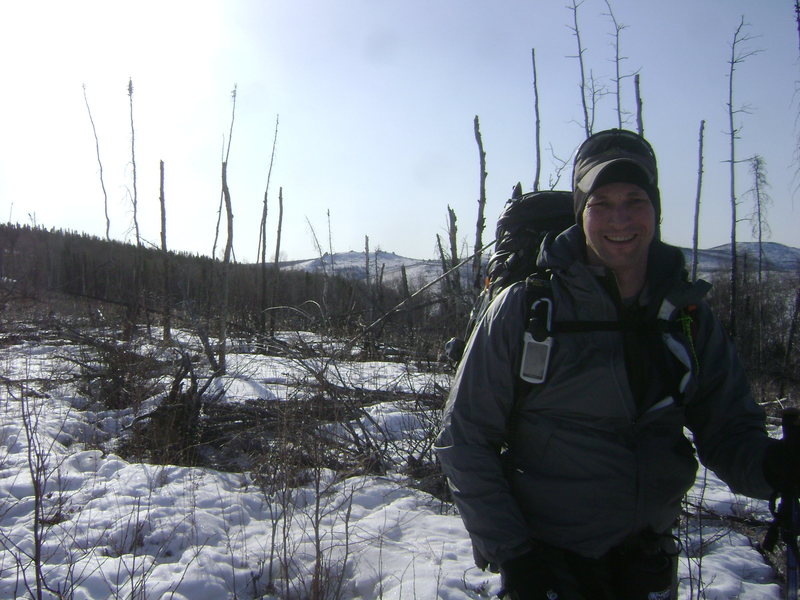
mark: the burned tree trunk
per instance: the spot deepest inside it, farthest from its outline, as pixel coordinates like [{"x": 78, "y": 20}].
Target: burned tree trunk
[
  {"x": 167, "y": 322},
  {"x": 639, "y": 103},
  {"x": 481, "y": 224},
  {"x": 576, "y": 30},
  {"x": 452, "y": 233},
  {"x": 738, "y": 56},
  {"x": 696, "y": 235},
  {"x": 275, "y": 282},
  {"x": 538, "y": 124},
  {"x": 262, "y": 237},
  {"x": 223, "y": 313}
]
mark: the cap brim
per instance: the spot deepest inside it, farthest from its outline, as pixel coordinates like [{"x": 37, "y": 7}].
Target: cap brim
[{"x": 588, "y": 182}]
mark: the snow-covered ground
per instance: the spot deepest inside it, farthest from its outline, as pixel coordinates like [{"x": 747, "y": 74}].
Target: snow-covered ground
[{"x": 109, "y": 528}]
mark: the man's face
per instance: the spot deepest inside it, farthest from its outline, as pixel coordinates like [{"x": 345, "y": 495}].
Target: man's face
[{"x": 619, "y": 222}]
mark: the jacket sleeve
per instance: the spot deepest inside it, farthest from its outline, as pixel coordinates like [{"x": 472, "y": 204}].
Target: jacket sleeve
[
  {"x": 475, "y": 425},
  {"x": 728, "y": 426}
]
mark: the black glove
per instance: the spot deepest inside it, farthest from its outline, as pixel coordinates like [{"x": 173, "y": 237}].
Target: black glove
[
  {"x": 526, "y": 577},
  {"x": 782, "y": 466}
]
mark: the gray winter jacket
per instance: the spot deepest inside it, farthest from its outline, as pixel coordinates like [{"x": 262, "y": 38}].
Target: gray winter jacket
[{"x": 589, "y": 464}]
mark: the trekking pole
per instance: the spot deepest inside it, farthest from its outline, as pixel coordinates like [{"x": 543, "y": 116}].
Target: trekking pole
[
  {"x": 786, "y": 521},
  {"x": 789, "y": 510},
  {"x": 790, "y": 422}
]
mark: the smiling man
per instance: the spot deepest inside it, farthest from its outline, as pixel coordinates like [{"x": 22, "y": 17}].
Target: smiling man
[
  {"x": 619, "y": 224},
  {"x": 572, "y": 485}
]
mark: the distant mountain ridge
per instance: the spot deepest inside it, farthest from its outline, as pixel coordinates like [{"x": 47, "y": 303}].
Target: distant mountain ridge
[
  {"x": 776, "y": 257},
  {"x": 354, "y": 265}
]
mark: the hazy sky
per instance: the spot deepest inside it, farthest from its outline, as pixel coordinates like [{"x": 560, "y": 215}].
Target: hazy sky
[{"x": 376, "y": 101}]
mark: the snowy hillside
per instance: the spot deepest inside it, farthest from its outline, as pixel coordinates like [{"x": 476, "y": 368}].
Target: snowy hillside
[{"x": 353, "y": 264}]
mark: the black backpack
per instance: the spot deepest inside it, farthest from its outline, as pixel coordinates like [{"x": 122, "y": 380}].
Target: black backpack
[{"x": 522, "y": 226}]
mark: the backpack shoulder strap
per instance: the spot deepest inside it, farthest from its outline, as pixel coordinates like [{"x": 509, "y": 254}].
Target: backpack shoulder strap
[{"x": 538, "y": 286}]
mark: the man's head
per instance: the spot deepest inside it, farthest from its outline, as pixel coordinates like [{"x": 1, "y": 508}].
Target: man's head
[
  {"x": 614, "y": 156},
  {"x": 617, "y": 204}
]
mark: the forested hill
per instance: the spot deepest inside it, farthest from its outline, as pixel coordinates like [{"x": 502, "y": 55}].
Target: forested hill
[{"x": 34, "y": 262}]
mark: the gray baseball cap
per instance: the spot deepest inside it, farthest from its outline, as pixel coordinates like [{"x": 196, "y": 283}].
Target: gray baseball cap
[{"x": 611, "y": 156}]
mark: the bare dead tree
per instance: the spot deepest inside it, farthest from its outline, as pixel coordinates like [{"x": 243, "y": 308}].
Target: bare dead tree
[
  {"x": 639, "y": 103},
  {"x": 223, "y": 317},
  {"x": 226, "y": 259},
  {"x": 404, "y": 282},
  {"x": 406, "y": 295},
  {"x": 277, "y": 263},
  {"x": 233, "y": 118},
  {"x": 618, "y": 27},
  {"x": 369, "y": 338},
  {"x": 135, "y": 197},
  {"x": 760, "y": 230},
  {"x": 318, "y": 247},
  {"x": 379, "y": 271},
  {"x": 262, "y": 232},
  {"x": 696, "y": 235},
  {"x": 733, "y": 201},
  {"x": 330, "y": 244},
  {"x": 219, "y": 208},
  {"x": 325, "y": 274},
  {"x": 99, "y": 164},
  {"x": 538, "y": 124},
  {"x": 262, "y": 236},
  {"x": 761, "y": 202},
  {"x": 135, "y": 294},
  {"x": 481, "y": 223},
  {"x": 262, "y": 248},
  {"x": 737, "y": 57},
  {"x": 443, "y": 260},
  {"x": 366, "y": 259},
  {"x": 225, "y": 159},
  {"x": 583, "y": 86},
  {"x": 167, "y": 276},
  {"x": 452, "y": 235}
]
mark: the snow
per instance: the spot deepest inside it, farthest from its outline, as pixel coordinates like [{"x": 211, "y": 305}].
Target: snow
[{"x": 116, "y": 529}]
